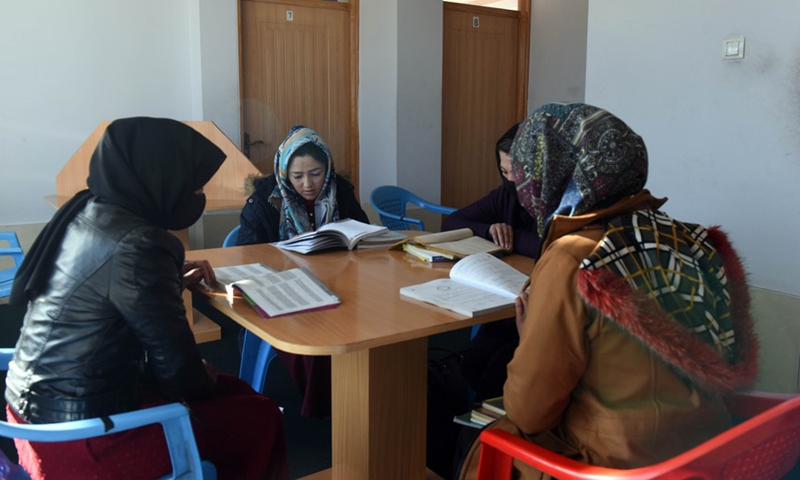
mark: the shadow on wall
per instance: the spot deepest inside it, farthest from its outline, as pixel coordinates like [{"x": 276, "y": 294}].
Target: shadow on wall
[{"x": 777, "y": 321}]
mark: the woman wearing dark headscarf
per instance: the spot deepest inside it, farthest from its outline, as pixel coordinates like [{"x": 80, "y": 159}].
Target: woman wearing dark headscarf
[
  {"x": 498, "y": 216},
  {"x": 303, "y": 194},
  {"x": 106, "y": 329},
  {"x": 636, "y": 324}
]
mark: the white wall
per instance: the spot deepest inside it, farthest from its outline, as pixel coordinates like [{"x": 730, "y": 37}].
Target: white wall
[
  {"x": 400, "y": 96},
  {"x": 558, "y": 52},
  {"x": 377, "y": 95},
  {"x": 419, "y": 97},
  {"x": 67, "y": 66},
  {"x": 219, "y": 50},
  {"x": 723, "y": 136}
]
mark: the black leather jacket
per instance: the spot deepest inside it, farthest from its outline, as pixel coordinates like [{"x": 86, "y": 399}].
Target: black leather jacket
[{"x": 111, "y": 315}]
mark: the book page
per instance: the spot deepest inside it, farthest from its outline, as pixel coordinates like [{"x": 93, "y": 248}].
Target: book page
[
  {"x": 344, "y": 233},
  {"x": 458, "y": 297},
  {"x": 353, "y": 229},
  {"x": 467, "y": 246},
  {"x": 489, "y": 272},
  {"x": 290, "y": 291},
  {"x": 449, "y": 236},
  {"x": 228, "y": 275}
]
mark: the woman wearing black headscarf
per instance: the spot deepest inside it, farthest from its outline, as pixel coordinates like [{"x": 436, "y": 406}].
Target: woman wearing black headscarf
[
  {"x": 636, "y": 324},
  {"x": 106, "y": 329},
  {"x": 498, "y": 216}
]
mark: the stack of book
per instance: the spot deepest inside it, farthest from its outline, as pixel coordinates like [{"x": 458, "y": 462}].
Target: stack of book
[
  {"x": 447, "y": 246},
  {"x": 482, "y": 414}
]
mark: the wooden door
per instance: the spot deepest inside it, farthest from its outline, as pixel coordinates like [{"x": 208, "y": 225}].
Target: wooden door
[
  {"x": 296, "y": 70},
  {"x": 484, "y": 82}
]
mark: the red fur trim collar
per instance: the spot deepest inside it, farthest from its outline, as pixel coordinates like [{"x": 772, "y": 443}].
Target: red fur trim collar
[{"x": 696, "y": 360}]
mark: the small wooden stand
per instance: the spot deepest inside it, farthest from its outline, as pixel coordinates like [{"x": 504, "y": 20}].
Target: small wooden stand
[{"x": 225, "y": 191}]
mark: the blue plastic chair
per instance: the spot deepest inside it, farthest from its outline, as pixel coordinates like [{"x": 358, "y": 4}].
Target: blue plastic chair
[
  {"x": 232, "y": 237},
  {"x": 173, "y": 417},
  {"x": 257, "y": 354},
  {"x": 14, "y": 252},
  {"x": 390, "y": 203}
]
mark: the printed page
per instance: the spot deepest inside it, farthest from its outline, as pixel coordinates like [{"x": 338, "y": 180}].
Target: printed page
[
  {"x": 449, "y": 236},
  {"x": 353, "y": 230},
  {"x": 467, "y": 246},
  {"x": 458, "y": 297},
  {"x": 290, "y": 291},
  {"x": 228, "y": 275},
  {"x": 488, "y": 272}
]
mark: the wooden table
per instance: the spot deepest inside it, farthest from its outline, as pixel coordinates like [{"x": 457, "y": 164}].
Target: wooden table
[{"x": 378, "y": 343}]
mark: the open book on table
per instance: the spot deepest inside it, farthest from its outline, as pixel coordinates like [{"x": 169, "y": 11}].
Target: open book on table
[
  {"x": 273, "y": 293},
  {"x": 453, "y": 244},
  {"x": 342, "y": 234},
  {"x": 478, "y": 284}
]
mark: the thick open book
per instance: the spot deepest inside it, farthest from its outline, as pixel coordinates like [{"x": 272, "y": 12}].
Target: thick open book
[
  {"x": 478, "y": 284},
  {"x": 273, "y": 293},
  {"x": 342, "y": 234},
  {"x": 454, "y": 243}
]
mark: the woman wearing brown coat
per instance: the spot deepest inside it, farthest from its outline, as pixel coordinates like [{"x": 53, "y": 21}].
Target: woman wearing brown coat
[{"x": 636, "y": 325}]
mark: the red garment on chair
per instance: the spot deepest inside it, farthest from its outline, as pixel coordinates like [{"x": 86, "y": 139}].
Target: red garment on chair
[{"x": 238, "y": 430}]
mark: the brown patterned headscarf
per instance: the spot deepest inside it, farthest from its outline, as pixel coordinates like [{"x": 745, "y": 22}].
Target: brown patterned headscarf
[{"x": 569, "y": 159}]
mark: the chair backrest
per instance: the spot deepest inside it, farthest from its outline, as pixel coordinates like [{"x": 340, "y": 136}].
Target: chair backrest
[
  {"x": 390, "y": 202},
  {"x": 11, "y": 257},
  {"x": 173, "y": 417},
  {"x": 232, "y": 237},
  {"x": 766, "y": 446}
]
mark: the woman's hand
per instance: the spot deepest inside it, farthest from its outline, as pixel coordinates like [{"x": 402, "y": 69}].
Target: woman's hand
[
  {"x": 195, "y": 271},
  {"x": 503, "y": 235},
  {"x": 521, "y": 308}
]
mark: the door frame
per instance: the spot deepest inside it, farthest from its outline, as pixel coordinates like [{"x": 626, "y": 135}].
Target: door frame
[{"x": 352, "y": 7}]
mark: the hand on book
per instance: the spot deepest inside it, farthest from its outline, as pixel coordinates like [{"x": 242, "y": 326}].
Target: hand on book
[
  {"x": 195, "y": 271},
  {"x": 503, "y": 235}
]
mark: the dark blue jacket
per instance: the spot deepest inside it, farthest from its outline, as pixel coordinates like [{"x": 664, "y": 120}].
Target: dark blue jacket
[
  {"x": 498, "y": 206},
  {"x": 260, "y": 217}
]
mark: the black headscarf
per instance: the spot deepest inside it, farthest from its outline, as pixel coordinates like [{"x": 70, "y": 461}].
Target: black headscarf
[
  {"x": 151, "y": 167},
  {"x": 508, "y": 137}
]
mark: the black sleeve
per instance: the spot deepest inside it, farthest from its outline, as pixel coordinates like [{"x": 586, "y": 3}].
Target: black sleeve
[
  {"x": 259, "y": 220},
  {"x": 146, "y": 290},
  {"x": 349, "y": 207}
]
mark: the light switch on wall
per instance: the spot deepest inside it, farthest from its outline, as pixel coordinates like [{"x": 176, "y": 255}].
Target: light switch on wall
[{"x": 733, "y": 48}]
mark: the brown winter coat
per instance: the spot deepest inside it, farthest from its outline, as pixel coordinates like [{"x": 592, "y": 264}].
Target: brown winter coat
[{"x": 580, "y": 385}]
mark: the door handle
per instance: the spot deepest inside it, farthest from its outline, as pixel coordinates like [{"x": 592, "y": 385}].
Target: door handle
[{"x": 248, "y": 144}]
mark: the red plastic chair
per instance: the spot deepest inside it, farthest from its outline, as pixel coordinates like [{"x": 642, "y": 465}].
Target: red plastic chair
[{"x": 765, "y": 446}]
